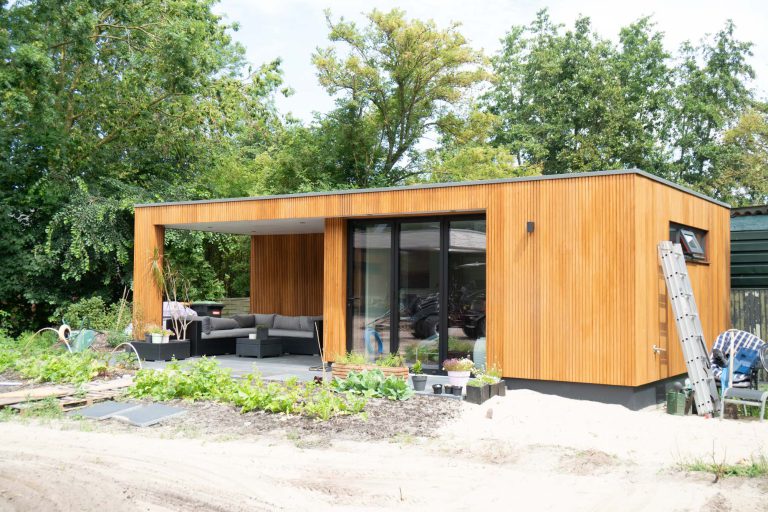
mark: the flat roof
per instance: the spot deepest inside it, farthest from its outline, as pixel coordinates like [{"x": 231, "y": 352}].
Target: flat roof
[
  {"x": 750, "y": 210},
  {"x": 418, "y": 186}
]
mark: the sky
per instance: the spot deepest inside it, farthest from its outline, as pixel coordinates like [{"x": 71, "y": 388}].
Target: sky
[{"x": 293, "y": 29}]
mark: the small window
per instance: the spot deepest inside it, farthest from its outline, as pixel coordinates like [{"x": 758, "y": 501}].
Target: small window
[{"x": 692, "y": 241}]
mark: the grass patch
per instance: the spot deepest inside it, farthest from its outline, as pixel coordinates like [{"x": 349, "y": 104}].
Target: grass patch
[{"x": 754, "y": 468}]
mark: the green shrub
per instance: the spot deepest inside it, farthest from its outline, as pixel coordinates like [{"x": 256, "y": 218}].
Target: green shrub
[
  {"x": 373, "y": 384},
  {"x": 95, "y": 314},
  {"x": 61, "y": 367},
  {"x": 390, "y": 360},
  {"x": 353, "y": 358},
  {"x": 205, "y": 380}
]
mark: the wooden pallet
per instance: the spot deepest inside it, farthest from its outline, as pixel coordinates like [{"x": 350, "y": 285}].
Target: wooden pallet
[
  {"x": 70, "y": 403},
  {"x": 65, "y": 390}
]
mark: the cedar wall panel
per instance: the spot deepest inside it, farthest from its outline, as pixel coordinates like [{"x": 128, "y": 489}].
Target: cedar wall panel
[
  {"x": 335, "y": 289},
  {"x": 287, "y": 274},
  {"x": 147, "y": 296},
  {"x": 657, "y": 206},
  {"x": 577, "y": 300}
]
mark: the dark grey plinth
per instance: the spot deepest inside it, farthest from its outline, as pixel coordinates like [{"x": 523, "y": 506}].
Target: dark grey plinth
[
  {"x": 259, "y": 347},
  {"x": 161, "y": 351}
]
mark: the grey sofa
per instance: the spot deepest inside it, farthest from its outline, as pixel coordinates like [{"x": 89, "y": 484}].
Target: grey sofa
[{"x": 217, "y": 336}]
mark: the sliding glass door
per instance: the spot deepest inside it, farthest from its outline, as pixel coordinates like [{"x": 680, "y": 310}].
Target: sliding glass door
[
  {"x": 418, "y": 292},
  {"x": 369, "y": 295},
  {"x": 426, "y": 276}
]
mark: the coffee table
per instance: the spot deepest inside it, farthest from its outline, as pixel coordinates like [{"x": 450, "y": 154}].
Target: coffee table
[{"x": 259, "y": 347}]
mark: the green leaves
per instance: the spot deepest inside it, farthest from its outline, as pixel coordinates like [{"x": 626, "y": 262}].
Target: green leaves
[
  {"x": 570, "y": 100},
  {"x": 205, "y": 380},
  {"x": 397, "y": 80},
  {"x": 373, "y": 384}
]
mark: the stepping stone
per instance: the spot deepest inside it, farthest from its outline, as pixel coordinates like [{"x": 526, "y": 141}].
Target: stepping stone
[
  {"x": 147, "y": 415},
  {"x": 103, "y": 410}
]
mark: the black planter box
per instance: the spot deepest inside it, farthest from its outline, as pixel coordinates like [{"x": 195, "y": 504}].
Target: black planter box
[
  {"x": 161, "y": 351},
  {"x": 501, "y": 388},
  {"x": 478, "y": 395}
]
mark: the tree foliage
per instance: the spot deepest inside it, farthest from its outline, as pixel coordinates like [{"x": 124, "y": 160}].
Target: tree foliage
[
  {"x": 106, "y": 103},
  {"x": 396, "y": 81},
  {"x": 572, "y": 101}
]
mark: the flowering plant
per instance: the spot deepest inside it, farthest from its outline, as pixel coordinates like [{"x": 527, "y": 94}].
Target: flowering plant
[{"x": 458, "y": 365}]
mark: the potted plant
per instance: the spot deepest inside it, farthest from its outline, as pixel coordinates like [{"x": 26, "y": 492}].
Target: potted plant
[
  {"x": 166, "y": 335},
  {"x": 155, "y": 333},
  {"x": 391, "y": 364},
  {"x": 478, "y": 391},
  {"x": 458, "y": 370},
  {"x": 492, "y": 377},
  {"x": 419, "y": 379}
]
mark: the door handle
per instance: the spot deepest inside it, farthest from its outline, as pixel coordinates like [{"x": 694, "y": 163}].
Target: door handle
[{"x": 658, "y": 350}]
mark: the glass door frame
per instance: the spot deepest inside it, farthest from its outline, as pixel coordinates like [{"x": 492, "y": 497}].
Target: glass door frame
[{"x": 394, "y": 278}]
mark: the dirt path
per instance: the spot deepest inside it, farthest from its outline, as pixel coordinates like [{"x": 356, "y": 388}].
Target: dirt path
[{"x": 527, "y": 457}]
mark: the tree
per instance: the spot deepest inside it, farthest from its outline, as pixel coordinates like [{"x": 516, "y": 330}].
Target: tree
[
  {"x": 106, "y": 103},
  {"x": 743, "y": 160},
  {"x": 710, "y": 95},
  {"x": 573, "y": 101},
  {"x": 398, "y": 79}
]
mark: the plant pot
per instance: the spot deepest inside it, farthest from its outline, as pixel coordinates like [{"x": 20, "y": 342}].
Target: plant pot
[
  {"x": 340, "y": 370},
  {"x": 492, "y": 390},
  {"x": 448, "y": 389},
  {"x": 419, "y": 382},
  {"x": 478, "y": 394},
  {"x": 156, "y": 338},
  {"x": 501, "y": 388},
  {"x": 458, "y": 378},
  {"x": 457, "y": 390},
  {"x": 166, "y": 338},
  {"x": 437, "y": 389}
]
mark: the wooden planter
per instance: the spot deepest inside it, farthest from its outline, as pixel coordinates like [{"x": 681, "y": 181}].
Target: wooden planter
[{"x": 341, "y": 370}]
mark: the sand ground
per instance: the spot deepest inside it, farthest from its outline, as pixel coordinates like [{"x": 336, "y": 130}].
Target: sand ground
[{"x": 538, "y": 451}]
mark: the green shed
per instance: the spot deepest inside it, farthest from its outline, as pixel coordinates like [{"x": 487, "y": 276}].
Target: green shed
[
  {"x": 749, "y": 247},
  {"x": 749, "y": 269}
]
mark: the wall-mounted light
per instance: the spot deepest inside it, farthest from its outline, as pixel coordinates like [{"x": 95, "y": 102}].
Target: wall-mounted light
[{"x": 530, "y": 226}]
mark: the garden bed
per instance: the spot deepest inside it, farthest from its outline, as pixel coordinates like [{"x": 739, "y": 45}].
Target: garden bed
[{"x": 383, "y": 420}]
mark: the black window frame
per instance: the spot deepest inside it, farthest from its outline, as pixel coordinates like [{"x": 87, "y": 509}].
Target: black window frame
[
  {"x": 396, "y": 222},
  {"x": 694, "y": 252}
]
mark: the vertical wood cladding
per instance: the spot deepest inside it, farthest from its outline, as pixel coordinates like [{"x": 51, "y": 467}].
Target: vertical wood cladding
[
  {"x": 287, "y": 274},
  {"x": 580, "y": 299}
]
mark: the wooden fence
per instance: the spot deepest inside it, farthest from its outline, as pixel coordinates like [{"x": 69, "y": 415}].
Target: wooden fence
[
  {"x": 236, "y": 306},
  {"x": 749, "y": 311}
]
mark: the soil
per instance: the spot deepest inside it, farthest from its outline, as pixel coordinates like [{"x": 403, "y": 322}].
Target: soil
[
  {"x": 532, "y": 450},
  {"x": 383, "y": 420}
]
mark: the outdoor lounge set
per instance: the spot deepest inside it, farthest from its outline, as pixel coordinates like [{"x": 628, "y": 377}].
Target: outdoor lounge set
[{"x": 273, "y": 335}]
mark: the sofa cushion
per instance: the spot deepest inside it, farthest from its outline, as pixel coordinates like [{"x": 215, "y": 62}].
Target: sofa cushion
[
  {"x": 241, "y": 332},
  {"x": 307, "y": 323},
  {"x": 289, "y": 333},
  {"x": 205, "y": 324},
  {"x": 265, "y": 320},
  {"x": 245, "y": 320},
  {"x": 223, "y": 324},
  {"x": 287, "y": 322}
]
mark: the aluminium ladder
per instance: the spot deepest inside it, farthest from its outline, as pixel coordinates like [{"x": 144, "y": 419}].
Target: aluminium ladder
[{"x": 689, "y": 328}]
